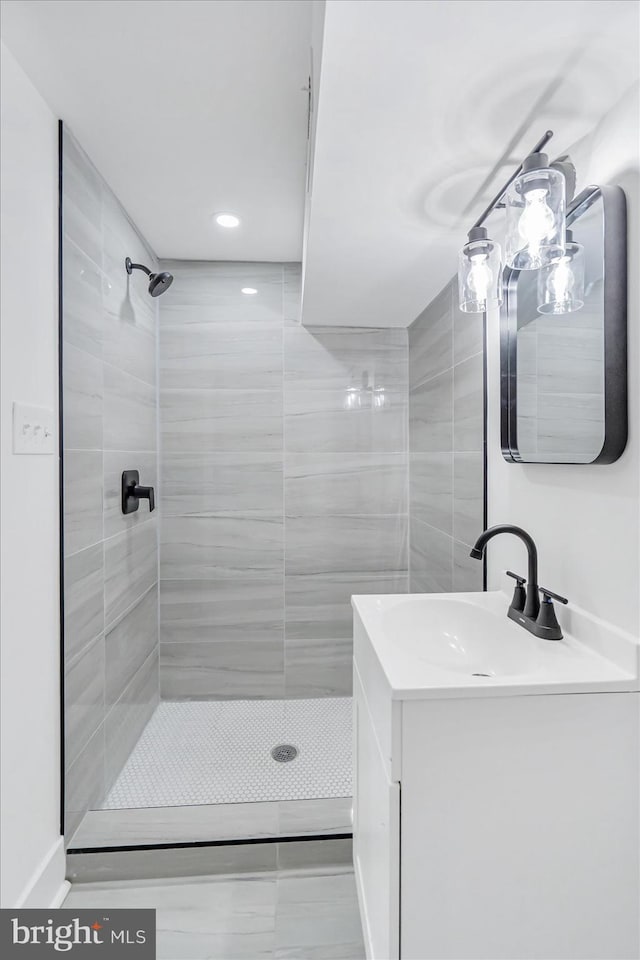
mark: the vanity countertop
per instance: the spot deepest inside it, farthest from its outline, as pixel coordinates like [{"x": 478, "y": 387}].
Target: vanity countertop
[{"x": 462, "y": 645}]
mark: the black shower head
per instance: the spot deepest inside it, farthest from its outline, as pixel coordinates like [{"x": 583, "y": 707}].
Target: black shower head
[{"x": 158, "y": 282}]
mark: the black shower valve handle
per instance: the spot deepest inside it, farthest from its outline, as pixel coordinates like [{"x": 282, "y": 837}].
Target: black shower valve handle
[
  {"x": 133, "y": 492},
  {"x": 145, "y": 493}
]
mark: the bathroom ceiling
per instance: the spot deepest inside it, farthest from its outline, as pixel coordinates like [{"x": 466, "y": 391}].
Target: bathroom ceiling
[
  {"x": 188, "y": 109},
  {"x": 419, "y": 104}
]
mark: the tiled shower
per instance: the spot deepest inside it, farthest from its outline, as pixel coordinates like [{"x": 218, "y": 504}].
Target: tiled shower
[{"x": 292, "y": 467}]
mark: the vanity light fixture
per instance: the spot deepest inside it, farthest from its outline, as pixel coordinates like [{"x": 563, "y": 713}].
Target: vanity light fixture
[
  {"x": 249, "y": 291},
  {"x": 479, "y": 272},
  {"x": 534, "y": 196},
  {"x": 561, "y": 285},
  {"x": 227, "y": 220},
  {"x": 535, "y": 205}
]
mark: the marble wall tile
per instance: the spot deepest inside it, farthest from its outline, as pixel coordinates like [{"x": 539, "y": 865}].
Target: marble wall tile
[
  {"x": 345, "y": 544},
  {"x": 431, "y": 415},
  {"x": 82, "y": 406},
  {"x": 129, "y": 412},
  {"x": 126, "y": 719},
  {"x": 467, "y": 572},
  {"x": 84, "y": 782},
  {"x": 218, "y": 548},
  {"x": 318, "y": 667},
  {"x": 468, "y": 332},
  {"x": 131, "y": 569},
  {"x": 468, "y": 501},
  {"x": 211, "y": 291},
  {"x": 83, "y": 499},
  {"x": 129, "y": 345},
  {"x": 84, "y": 698},
  {"x": 217, "y": 483},
  {"x": 431, "y": 489},
  {"x": 109, "y": 401},
  {"x": 82, "y": 283},
  {"x": 129, "y": 644},
  {"x": 316, "y": 421},
  {"x": 82, "y": 189},
  {"x": 292, "y": 292},
  {"x": 345, "y": 483},
  {"x": 237, "y": 355},
  {"x": 114, "y": 463},
  {"x": 431, "y": 559},
  {"x": 222, "y": 670},
  {"x": 221, "y": 420},
  {"x": 225, "y": 398},
  {"x": 431, "y": 339},
  {"x": 467, "y": 405},
  {"x": 318, "y": 605},
  {"x": 212, "y": 610},
  {"x": 83, "y": 599},
  {"x": 322, "y": 366}
]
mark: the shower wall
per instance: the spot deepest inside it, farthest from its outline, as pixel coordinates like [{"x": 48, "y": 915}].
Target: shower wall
[
  {"x": 446, "y": 431},
  {"x": 109, "y": 425},
  {"x": 283, "y": 484}
]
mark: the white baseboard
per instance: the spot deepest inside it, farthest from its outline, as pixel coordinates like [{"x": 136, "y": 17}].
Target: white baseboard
[{"x": 47, "y": 886}]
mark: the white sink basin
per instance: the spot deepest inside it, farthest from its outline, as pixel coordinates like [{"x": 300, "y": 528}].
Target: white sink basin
[
  {"x": 462, "y": 644},
  {"x": 460, "y": 636}
]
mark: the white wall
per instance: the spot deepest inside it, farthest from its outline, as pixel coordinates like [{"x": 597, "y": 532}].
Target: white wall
[
  {"x": 33, "y": 857},
  {"x": 585, "y": 519}
]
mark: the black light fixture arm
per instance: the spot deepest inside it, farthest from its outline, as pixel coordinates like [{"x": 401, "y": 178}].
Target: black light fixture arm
[
  {"x": 542, "y": 142},
  {"x": 130, "y": 267}
]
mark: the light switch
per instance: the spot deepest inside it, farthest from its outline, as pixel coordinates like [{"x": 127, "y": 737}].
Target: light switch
[{"x": 33, "y": 429}]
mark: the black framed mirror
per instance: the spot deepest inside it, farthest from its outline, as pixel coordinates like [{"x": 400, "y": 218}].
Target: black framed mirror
[{"x": 563, "y": 366}]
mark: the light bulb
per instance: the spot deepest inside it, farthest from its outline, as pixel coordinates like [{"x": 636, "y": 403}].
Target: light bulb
[
  {"x": 480, "y": 276},
  {"x": 560, "y": 282},
  {"x": 537, "y": 221}
]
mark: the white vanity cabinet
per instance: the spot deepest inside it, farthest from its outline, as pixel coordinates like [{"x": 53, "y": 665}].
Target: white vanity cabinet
[{"x": 499, "y": 824}]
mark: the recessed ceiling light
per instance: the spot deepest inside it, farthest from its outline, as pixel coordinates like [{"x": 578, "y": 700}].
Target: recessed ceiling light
[
  {"x": 249, "y": 291},
  {"x": 227, "y": 220}
]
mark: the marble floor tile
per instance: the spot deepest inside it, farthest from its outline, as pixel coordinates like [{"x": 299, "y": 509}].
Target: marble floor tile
[{"x": 290, "y": 915}]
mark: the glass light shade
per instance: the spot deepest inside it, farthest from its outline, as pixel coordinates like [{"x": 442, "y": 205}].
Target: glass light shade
[
  {"x": 479, "y": 273},
  {"x": 561, "y": 284},
  {"x": 535, "y": 205}
]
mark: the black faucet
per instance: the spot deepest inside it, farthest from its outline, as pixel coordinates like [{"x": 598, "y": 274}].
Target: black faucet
[{"x": 525, "y": 606}]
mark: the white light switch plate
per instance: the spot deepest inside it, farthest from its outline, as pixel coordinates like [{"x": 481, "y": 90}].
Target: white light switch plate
[{"x": 33, "y": 430}]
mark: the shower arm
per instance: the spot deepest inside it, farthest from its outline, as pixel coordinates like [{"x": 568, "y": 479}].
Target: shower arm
[{"x": 136, "y": 266}]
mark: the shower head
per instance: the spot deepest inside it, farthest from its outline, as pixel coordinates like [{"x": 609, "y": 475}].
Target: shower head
[{"x": 158, "y": 282}]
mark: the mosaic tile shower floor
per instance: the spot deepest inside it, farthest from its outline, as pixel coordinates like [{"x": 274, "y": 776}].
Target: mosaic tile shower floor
[{"x": 201, "y": 752}]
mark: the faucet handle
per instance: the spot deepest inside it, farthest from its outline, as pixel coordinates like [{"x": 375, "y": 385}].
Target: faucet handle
[
  {"x": 515, "y": 576},
  {"x": 547, "y": 595},
  {"x": 519, "y": 594}
]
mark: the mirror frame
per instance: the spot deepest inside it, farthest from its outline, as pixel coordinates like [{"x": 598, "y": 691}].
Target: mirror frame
[{"x": 615, "y": 333}]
